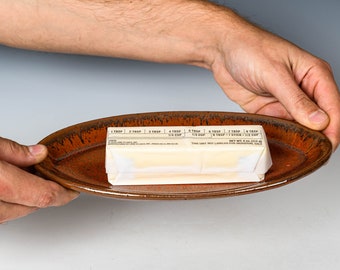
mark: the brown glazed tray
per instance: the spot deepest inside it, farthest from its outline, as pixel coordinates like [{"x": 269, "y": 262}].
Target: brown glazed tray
[{"x": 77, "y": 155}]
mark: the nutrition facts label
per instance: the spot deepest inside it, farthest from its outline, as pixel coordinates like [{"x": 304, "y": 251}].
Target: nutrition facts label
[{"x": 177, "y": 135}]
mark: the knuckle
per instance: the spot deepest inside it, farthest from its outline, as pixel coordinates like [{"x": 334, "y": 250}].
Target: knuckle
[
  {"x": 14, "y": 147},
  {"x": 302, "y": 103},
  {"x": 46, "y": 199},
  {"x": 11, "y": 150},
  {"x": 300, "y": 100},
  {"x": 323, "y": 64},
  {"x": 49, "y": 197}
]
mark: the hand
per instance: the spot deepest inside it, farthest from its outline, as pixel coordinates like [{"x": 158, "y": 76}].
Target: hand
[
  {"x": 268, "y": 75},
  {"x": 22, "y": 193},
  {"x": 263, "y": 73}
]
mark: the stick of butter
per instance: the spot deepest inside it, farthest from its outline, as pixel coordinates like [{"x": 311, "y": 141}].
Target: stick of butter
[{"x": 186, "y": 154}]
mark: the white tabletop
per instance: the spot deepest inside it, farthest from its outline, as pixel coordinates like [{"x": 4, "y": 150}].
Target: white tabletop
[{"x": 292, "y": 227}]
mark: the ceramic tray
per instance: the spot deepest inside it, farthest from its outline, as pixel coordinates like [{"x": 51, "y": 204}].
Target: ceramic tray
[{"x": 77, "y": 155}]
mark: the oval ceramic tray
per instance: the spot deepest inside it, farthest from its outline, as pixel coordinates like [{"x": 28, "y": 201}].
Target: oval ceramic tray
[{"x": 77, "y": 155}]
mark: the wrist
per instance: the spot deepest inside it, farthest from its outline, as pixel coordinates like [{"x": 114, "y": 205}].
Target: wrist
[{"x": 224, "y": 34}]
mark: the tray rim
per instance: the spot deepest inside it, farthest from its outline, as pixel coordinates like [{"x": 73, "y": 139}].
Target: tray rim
[{"x": 71, "y": 183}]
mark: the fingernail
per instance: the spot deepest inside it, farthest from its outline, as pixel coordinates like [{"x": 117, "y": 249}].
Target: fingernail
[
  {"x": 36, "y": 150},
  {"x": 318, "y": 116}
]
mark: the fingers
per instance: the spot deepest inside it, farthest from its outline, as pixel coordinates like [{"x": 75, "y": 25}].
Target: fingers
[
  {"x": 22, "y": 193},
  {"x": 312, "y": 97},
  {"x": 9, "y": 211},
  {"x": 319, "y": 83},
  {"x": 271, "y": 71},
  {"x": 21, "y": 155},
  {"x": 301, "y": 107},
  {"x": 20, "y": 187}
]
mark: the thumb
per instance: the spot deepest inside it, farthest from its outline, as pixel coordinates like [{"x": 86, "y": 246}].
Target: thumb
[
  {"x": 305, "y": 111},
  {"x": 299, "y": 105},
  {"x": 21, "y": 155}
]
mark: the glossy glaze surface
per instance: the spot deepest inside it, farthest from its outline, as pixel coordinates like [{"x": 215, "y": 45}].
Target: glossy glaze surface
[{"x": 77, "y": 155}]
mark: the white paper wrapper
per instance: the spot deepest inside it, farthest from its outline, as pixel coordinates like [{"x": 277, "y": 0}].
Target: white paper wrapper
[{"x": 186, "y": 155}]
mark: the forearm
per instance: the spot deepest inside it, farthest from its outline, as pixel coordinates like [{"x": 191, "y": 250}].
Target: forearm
[{"x": 163, "y": 31}]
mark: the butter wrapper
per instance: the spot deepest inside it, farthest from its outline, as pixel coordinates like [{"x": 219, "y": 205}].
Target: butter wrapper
[{"x": 186, "y": 154}]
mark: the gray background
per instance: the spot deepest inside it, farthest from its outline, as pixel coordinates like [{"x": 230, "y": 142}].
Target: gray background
[{"x": 293, "y": 227}]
